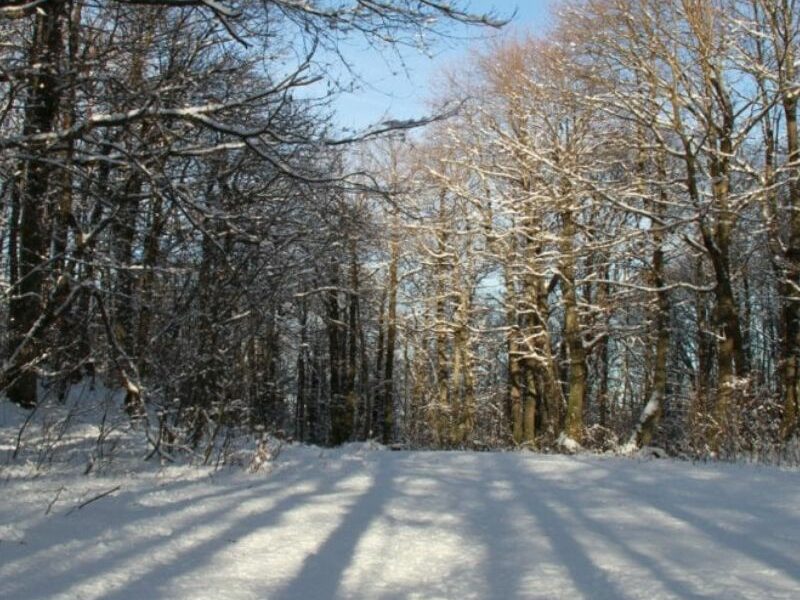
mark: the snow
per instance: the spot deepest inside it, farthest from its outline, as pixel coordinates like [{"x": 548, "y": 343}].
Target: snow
[
  {"x": 295, "y": 522},
  {"x": 567, "y": 444},
  {"x": 354, "y": 522}
]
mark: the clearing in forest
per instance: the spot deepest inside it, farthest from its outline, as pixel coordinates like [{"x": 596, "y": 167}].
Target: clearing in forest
[{"x": 357, "y": 523}]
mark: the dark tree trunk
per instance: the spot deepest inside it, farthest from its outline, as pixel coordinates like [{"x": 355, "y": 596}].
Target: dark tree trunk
[
  {"x": 41, "y": 114},
  {"x": 391, "y": 337}
]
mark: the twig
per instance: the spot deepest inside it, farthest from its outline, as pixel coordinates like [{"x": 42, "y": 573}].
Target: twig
[
  {"x": 90, "y": 500},
  {"x": 22, "y": 431},
  {"x": 54, "y": 500}
]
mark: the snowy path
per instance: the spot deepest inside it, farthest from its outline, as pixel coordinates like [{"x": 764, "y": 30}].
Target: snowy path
[{"x": 384, "y": 525}]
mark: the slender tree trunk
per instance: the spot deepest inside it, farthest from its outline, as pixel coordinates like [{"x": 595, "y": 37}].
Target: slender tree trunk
[
  {"x": 603, "y": 297},
  {"x": 146, "y": 294},
  {"x": 531, "y": 400},
  {"x": 515, "y": 383},
  {"x": 513, "y": 347},
  {"x": 351, "y": 395},
  {"x": 553, "y": 405},
  {"x": 375, "y": 415},
  {"x": 391, "y": 338},
  {"x": 462, "y": 376},
  {"x": 653, "y": 409},
  {"x": 441, "y": 412},
  {"x": 365, "y": 397},
  {"x": 533, "y": 330},
  {"x": 602, "y": 394},
  {"x": 125, "y": 225},
  {"x": 302, "y": 361},
  {"x": 13, "y": 233},
  {"x": 731, "y": 355},
  {"x": 573, "y": 337},
  {"x": 340, "y": 425},
  {"x": 85, "y": 255},
  {"x": 654, "y": 406},
  {"x": 705, "y": 347}
]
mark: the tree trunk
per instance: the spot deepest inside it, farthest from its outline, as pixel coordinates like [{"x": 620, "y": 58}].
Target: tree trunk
[
  {"x": 351, "y": 396},
  {"x": 653, "y": 409},
  {"x": 40, "y": 117},
  {"x": 146, "y": 293},
  {"x": 441, "y": 409},
  {"x": 302, "y": 362},
  {"x": 391, "y": 338},
  {"x": 375, "y": 414},
  {"x": 340, "y": 425},
  {"x": 573, "y": 337},
  {"x": 791, "y": 311}
]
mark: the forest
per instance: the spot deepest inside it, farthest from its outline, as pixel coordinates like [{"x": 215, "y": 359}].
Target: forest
[{"x": 591, "y": 241}]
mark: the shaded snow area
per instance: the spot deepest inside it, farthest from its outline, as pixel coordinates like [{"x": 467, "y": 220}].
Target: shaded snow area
[{"x": 361, "y": 523}]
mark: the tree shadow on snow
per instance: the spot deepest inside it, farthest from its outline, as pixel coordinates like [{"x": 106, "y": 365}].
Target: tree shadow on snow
[
  {"x": 40, "y": 573},
  {"x": 531, "y": 531}
]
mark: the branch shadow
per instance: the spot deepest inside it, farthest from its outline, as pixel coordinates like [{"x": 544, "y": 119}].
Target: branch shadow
[
  {"x": 44, "y": 578},
  {"x": 519, "y": 518},
  {"x": 699, "y": 507},
  {"x": 322, "y": 572}
]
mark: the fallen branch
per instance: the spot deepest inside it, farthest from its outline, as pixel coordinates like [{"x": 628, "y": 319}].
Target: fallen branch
[{"x": 90, "y": 500}]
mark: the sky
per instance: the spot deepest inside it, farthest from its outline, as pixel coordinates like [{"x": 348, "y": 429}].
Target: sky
[{"x": 390, "y": 88}]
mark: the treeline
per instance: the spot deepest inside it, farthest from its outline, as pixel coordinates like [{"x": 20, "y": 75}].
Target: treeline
[
  {"x": 612, "y": 235},
  {"x": 176, "y": 201},
  {"x": 601, "y": 247}
]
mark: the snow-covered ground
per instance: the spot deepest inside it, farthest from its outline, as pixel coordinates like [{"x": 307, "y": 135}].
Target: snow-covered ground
[{"x": 362, "y": 523}]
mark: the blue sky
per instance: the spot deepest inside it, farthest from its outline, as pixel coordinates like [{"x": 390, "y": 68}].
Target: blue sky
[{"x": 391, "y": 88}]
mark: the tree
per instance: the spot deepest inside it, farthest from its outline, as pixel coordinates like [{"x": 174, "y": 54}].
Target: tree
[{"x": 141, "y": 137}]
